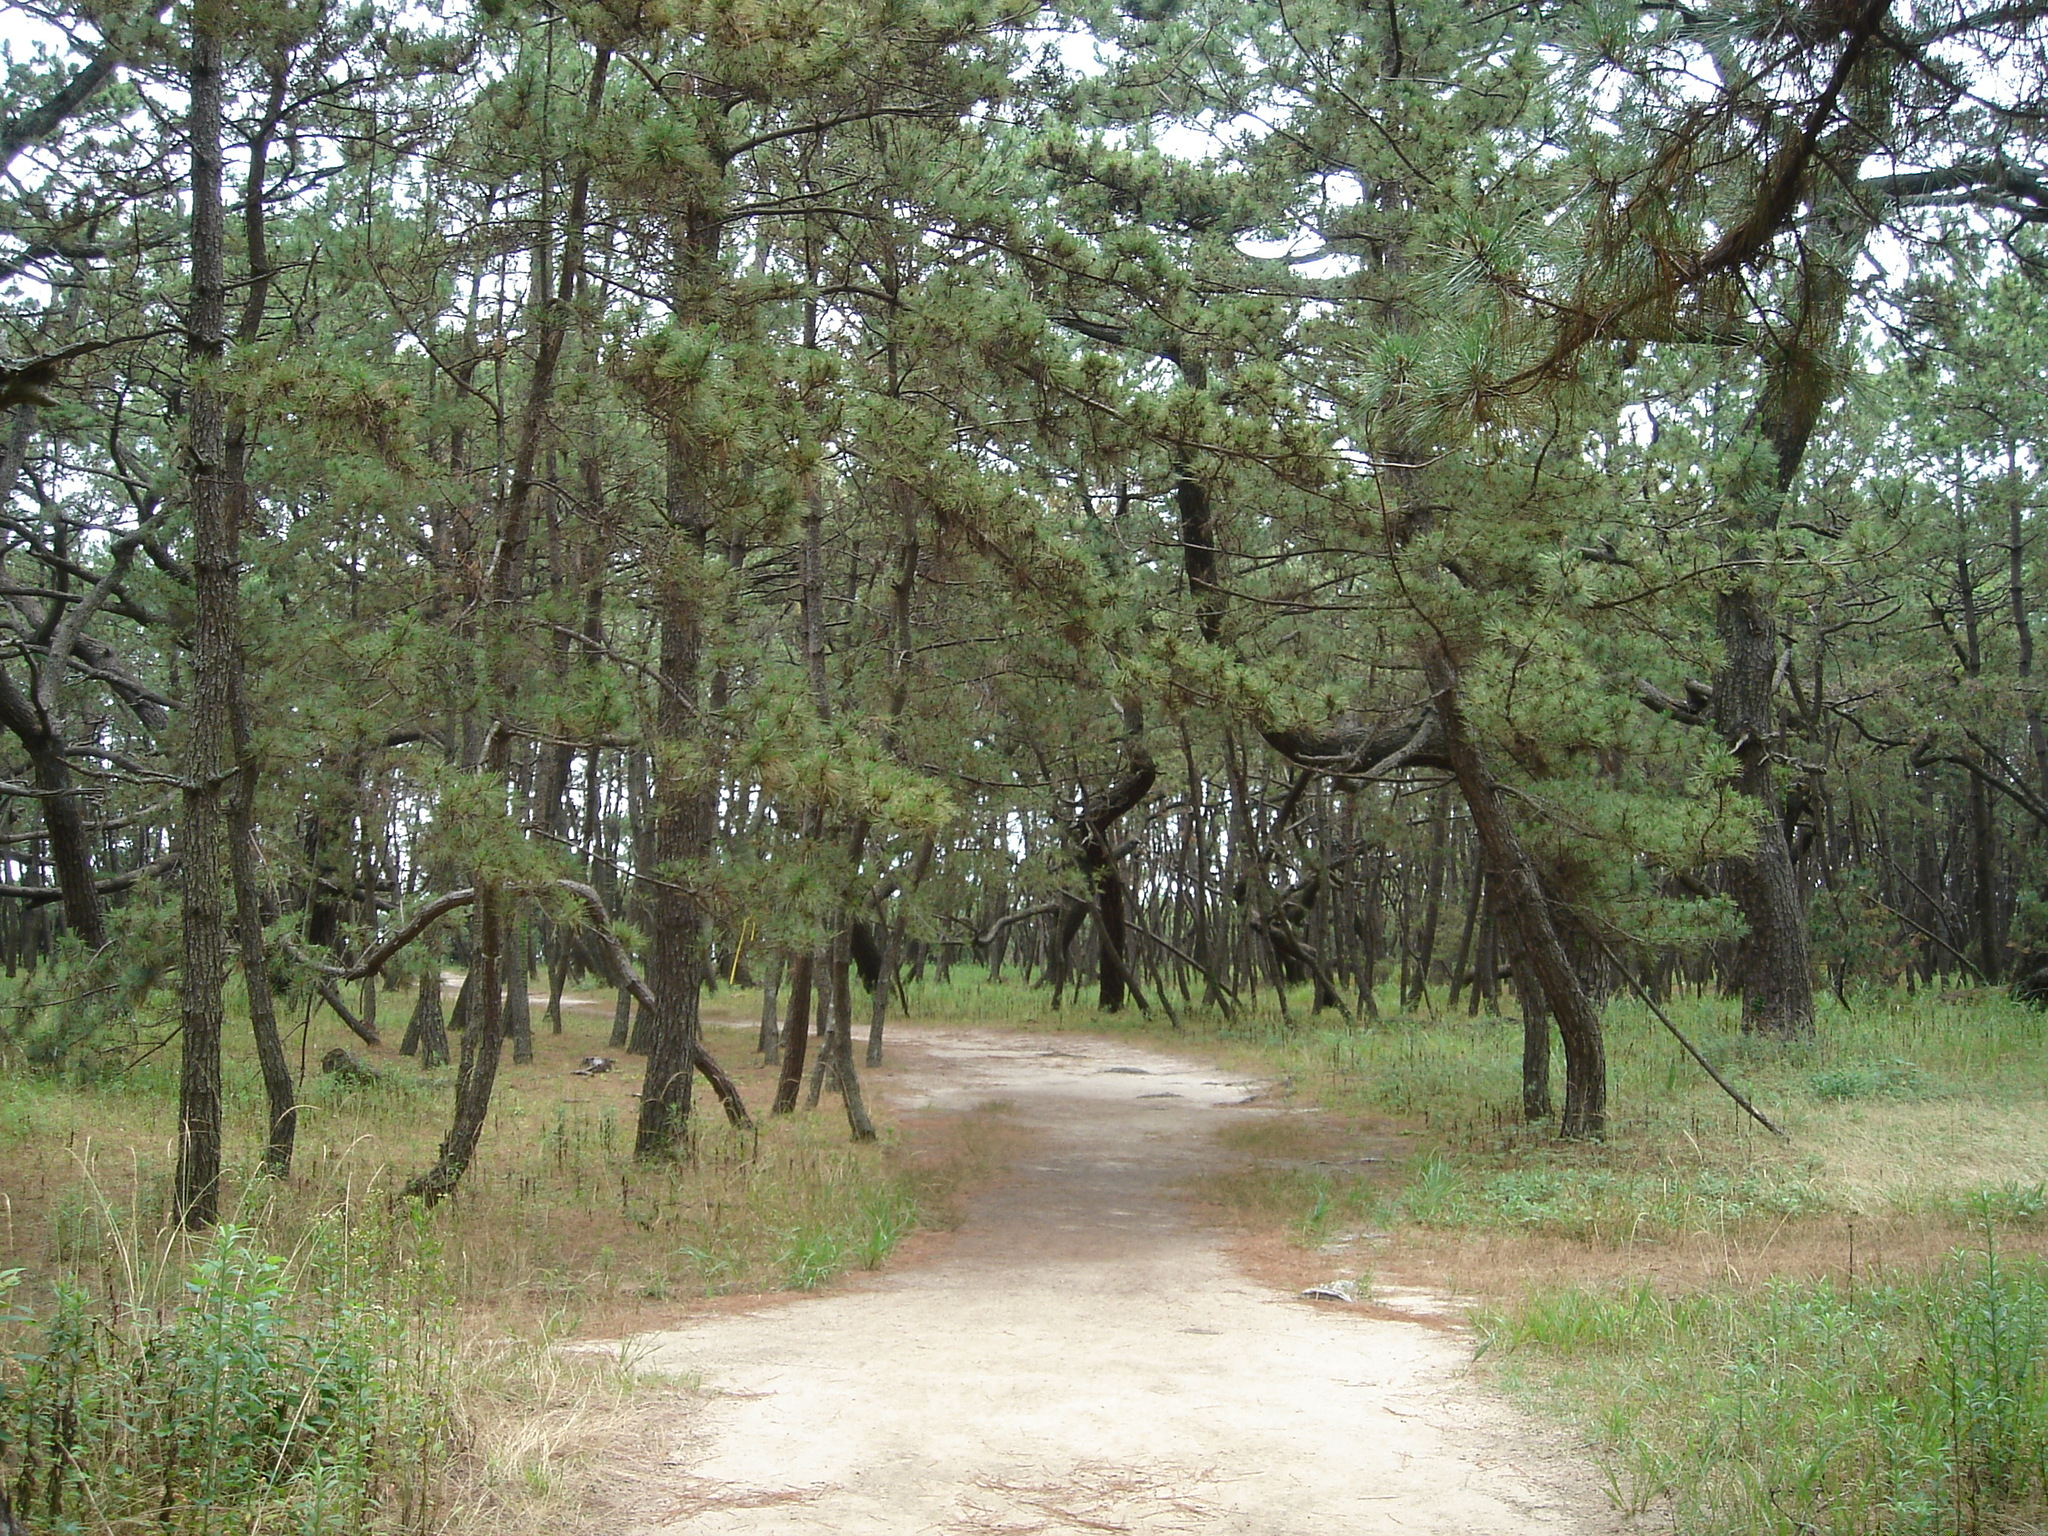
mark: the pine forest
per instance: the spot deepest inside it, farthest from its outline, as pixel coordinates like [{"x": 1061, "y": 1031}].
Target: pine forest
[{"x": 1475, "y": 567}]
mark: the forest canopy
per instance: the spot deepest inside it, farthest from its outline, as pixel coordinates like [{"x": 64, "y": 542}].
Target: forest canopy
[{"x": 1195, "y": 500}]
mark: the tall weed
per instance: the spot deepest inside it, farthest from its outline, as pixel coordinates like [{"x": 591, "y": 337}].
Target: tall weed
[
  {"x": 1905, "y": 1404},
  {"x": 231, "y": 1390}
]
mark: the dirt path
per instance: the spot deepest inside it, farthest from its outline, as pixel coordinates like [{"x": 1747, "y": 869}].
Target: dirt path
[{"x": 1081, "y": 1356}]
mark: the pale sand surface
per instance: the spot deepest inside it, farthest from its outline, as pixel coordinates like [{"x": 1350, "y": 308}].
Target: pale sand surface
[{"x": 1082, "y": 1356}]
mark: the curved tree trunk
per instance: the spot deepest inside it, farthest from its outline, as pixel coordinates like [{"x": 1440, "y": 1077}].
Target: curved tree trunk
[
  {"x": 482, "y": 1046},
  {"x": 796, "y": 1031},
  {"x": 70, "y": 843},
  {"x": 1089, "y": 832}
]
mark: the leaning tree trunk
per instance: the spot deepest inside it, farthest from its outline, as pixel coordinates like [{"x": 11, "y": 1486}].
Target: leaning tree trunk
[
  {"x": 796, "y": 1032},
  {"x": 70, "y": 843},
  {"x": 1799, "y": 381},
  {"x": 278, "y": 1089},
  {"x": 840, "y": 1045},
  {"x": 1521, "y": 896},
  {"x": 483, "y": 1041}
]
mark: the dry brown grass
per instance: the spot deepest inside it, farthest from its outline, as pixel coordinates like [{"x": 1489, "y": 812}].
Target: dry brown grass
[{"x": 555, "y": 1226}]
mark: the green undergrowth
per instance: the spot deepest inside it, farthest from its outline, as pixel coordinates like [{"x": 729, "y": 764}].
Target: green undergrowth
[
  {"x": 792, "y": 1215},
  {"x": 1567, "y": 1197},
  {"x": 1557, "y": 1194},
  {"x": 218, "y": 1387},
  {"x": 1908, "y": 1404}
]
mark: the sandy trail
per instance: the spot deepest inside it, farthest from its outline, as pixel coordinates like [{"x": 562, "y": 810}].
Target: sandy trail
[{"x": 1081, "y": 1356}]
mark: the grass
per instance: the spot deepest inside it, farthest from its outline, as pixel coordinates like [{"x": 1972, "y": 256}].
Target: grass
[
  {"x": 1843, "y": 1334},
  {"x": 1906, "y": 1401},
  {"x": 229, "y": 1388},
  {"x": 1903, "y": 1105}
]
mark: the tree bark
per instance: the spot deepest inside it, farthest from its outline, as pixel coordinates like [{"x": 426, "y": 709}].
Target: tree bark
[
  {"x": 1089, "y": 833},
  {"x": 679, "y": 834},
  {"x": 622, "y": 1020},
  {"x": 768, "y": 1041},
  {"x": 840, "y": 1044},
  {"x": 518, "y": 1006},
  {"x": 428, "y": 1030},
  {"x": 892, "y": 949},
  {"x": 679, "y": 826},
  {"x": 1774, "y": 958}
]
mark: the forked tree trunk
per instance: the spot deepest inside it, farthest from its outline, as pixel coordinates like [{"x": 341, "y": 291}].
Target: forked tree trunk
[
  {"x": 1089, "y": 832},
  {"x": 428, "y": 1031},
  {"x": 1776, "y": 959}
]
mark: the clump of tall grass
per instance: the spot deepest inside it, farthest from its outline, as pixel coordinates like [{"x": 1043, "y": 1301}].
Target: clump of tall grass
[
  {"x": 1897, "y": 1403},
  {"x": 219, "y": 1387}
]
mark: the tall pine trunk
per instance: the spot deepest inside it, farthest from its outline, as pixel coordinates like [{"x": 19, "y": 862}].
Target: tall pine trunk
[{"x": 207, "y": 758}]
